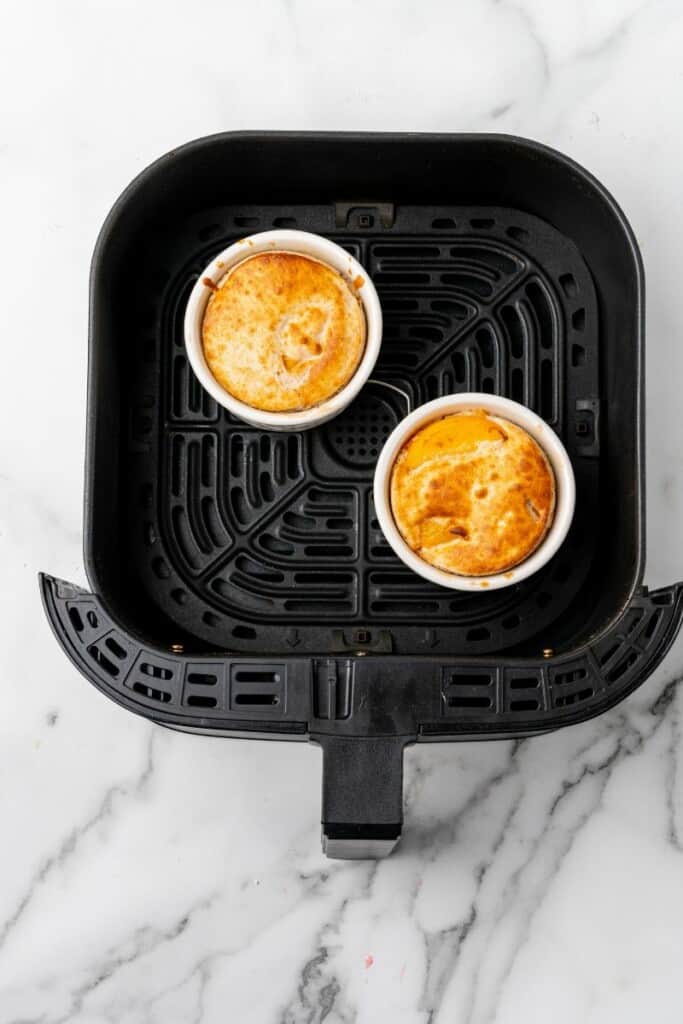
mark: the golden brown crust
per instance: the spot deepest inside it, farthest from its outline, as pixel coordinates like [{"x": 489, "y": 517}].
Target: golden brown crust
[
  {"x": 472, "y": 493},
  {"x": 283, "y": 332}
]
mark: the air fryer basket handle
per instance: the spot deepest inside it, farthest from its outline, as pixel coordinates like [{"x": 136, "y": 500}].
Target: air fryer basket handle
[
  {"x": 362, "y": 798},
  {"x": 386, "y": 705}
]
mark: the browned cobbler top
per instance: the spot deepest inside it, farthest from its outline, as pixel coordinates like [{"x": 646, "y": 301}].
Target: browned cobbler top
[
  {"x": 472, "y": 493},
  {"x": 283, "y": 332}
]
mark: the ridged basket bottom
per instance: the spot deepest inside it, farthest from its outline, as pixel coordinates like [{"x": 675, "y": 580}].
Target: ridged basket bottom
[{"x": 258, "y": 541}]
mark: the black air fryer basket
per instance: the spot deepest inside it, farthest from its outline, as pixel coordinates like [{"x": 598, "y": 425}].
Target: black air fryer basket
[{"x": 241, "y": 585}]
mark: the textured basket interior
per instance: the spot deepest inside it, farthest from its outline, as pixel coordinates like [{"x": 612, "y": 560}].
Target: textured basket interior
[{"x": 247, "y": 540}]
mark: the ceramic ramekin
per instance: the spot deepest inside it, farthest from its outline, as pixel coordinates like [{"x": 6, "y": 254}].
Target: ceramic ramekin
[
  {"x": 309, "y": 245},
  {"x": 509, "y": 410}
]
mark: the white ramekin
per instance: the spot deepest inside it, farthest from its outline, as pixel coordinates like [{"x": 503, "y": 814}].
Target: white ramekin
[
  {"x": 509, "y": 410},
  {"x": 309, "y": 245}
]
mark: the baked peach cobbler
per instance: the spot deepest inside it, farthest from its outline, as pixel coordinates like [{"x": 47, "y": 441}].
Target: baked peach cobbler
[{"x": 472, "y": 493}]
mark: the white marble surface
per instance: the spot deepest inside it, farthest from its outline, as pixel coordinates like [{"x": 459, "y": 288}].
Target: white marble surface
[{"x": 152, "y": 877}]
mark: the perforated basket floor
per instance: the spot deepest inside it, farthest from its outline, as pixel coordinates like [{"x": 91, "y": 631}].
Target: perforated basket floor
[{"x": 259, "y": 541}]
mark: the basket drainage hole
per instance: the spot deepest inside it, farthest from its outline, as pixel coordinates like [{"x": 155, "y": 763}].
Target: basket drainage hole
[
  {"x": 328, "y": 551},
  {"x": 339, "y": 524},
  {"x": 93, "y": 621},
  {"x": 443, "y": 223}
]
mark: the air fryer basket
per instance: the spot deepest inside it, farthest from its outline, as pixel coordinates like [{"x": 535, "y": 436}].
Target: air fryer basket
[{"x": 241, "y": 584}]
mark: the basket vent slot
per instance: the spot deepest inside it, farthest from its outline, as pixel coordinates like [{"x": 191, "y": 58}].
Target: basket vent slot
[
  {"x": 571, "y": 676},
  {"x": 622, "y": 667},
  {"x": 257, "y": 699},
  {"x": 473, "y": 679},
  {"x": 156, "y": 671},
  {"x": 650, "y": 628},
  {"x": 116, "y": 649},
  {"x": 162, "y": 696},
  {"x": 105, "y": 663},
  {"x": 258, "y": 686},
  {"x": 525, "y": 704},
  {"x": 467, "y": 701},
  {"x": 467, "y": 692},
  {"x": 524, "y": 683},
  {"x": 256, "y": 676},
  {"x": 198, "y": 700},
  {"x": 202, "y": 678},
  {"x": 76, "y": 620},
  {"x": 566, "y": 699}
]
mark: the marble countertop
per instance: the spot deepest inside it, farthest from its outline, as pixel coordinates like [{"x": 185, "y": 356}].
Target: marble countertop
[{"x": 154, "y": 877}]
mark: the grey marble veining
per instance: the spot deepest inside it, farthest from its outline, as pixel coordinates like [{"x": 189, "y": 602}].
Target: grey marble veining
[{"x": 150, "y": 877}]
